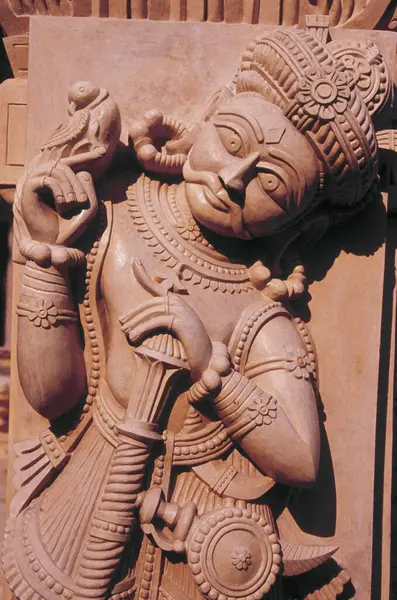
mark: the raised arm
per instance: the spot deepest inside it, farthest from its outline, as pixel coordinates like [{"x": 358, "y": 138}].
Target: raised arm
[
  {"x": 49, "y": 349},
  {"x": 54, "y": 203}
]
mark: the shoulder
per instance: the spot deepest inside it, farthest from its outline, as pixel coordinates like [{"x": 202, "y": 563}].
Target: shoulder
[{"x": 268, "y": 329}]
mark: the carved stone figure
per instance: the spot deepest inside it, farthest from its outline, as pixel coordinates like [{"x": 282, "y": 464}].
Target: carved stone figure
[{"x": 189, "y": 409}]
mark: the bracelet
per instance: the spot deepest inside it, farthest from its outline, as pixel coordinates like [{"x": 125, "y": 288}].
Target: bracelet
[
  {"x": 37, "y": 280},
  {"x": 42, "y": 312},
  {"x": 242, "y": 406},
  {"x": 44, "y": 298}
]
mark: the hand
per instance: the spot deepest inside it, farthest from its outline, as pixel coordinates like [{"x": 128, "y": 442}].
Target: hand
[
  {"x": 43, "y": 203},
  {"x": 171, "y": 313}
]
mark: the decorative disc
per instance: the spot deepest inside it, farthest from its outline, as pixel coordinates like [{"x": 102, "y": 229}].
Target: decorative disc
[{"x": 234, "y": 553}]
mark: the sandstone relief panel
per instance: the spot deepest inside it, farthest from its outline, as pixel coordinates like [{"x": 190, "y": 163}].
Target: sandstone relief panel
[{"x": 158, "y": 334}]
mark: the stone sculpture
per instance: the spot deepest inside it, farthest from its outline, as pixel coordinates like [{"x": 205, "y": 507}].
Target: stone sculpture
[{"x": 191, "y": 403}]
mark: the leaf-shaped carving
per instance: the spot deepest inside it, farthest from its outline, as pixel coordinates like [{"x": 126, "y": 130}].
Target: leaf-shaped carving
[
  {"x": 299, "y": 559},
  {"x": 34, "y": 466}
]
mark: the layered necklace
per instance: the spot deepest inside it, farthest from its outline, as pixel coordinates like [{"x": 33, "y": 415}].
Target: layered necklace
[{"x": 174, "y": 238}]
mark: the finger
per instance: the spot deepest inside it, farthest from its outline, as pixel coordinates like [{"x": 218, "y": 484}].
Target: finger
[
  {"x": 29, "y": 7},
  {"x": 144, "y": 316},
  {"x": 53, "y": 7},
  {"x": 149, "y": 310},
  {"x": 88, "y": 186},
  {"x": 67, "y": 179},
  {"x": 17, "y": 8},
  {"x": 35, "y": 184},
  {"x": 41, "y": 169},
  {"x": 41, "y": 7},
  {"x": 67, "y": 187},
  {"x": 74, "y": 228},
  {"x": 76, "y": 182},
  {"x": 138, "y": 333},
  {"x": 57, "y": 191}
]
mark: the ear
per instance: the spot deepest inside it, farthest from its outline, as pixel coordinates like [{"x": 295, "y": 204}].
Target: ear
[
  {"x": 185, "y": 142},
  {"x": 368, "y": 69},
  {"x": 160, "y": 143}
]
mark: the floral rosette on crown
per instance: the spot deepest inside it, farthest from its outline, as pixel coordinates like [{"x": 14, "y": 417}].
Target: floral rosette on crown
[
  {"x": 325, "y": 92},
  {"x": 360, "y": 69}
]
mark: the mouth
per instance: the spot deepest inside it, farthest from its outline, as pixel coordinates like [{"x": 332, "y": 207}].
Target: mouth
[
  {"x": 218, "y": 200},
  {"x": 214, "y": 192},
  {"x": 221, "y": 201},
  {"x": 218, "y": 197}
]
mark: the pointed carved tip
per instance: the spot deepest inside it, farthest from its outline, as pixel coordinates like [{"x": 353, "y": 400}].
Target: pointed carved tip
[{"x": 299, "y": 559}]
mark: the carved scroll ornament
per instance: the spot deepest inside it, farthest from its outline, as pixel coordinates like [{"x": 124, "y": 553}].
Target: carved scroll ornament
[{"x": 164, "y": 427}]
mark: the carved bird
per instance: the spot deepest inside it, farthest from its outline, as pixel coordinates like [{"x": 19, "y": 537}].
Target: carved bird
[
  {"x": 85, "y": 143},
  {"x": 88, "y": 139}
]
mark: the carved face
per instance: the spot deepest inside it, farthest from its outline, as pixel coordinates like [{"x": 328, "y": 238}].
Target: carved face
[{"x": 249, "y": 171}]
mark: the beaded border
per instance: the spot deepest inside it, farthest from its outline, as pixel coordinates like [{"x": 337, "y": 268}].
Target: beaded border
[
  {"x": 214, "y": 520},
  {"x": 246, "y": 326}
]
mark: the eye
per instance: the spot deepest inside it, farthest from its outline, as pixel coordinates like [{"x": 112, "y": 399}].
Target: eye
[
  {"x": 269, "y": 181},
  {"x": 231, "y": 141},
  {"x": 276, "y": 186}
]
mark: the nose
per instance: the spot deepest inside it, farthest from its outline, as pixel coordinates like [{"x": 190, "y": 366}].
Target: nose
[{"x": 232, "y": 176}]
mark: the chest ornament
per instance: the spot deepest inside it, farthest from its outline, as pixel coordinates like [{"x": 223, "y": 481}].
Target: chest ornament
[{"x": 173, "y": 245}]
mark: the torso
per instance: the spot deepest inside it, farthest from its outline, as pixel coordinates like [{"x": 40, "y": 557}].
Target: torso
[{"x": 218, "y": 291}]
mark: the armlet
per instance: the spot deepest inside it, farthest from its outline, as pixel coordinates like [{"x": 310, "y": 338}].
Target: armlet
[{"x": 301, "y": 363}]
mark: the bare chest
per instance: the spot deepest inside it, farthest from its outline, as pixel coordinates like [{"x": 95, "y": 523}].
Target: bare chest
[
  {"x": 147, "y": 258},
  {"x": 134, "y": 273}
]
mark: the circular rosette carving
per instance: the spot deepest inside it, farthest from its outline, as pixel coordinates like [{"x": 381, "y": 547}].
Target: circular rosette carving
[
  {"x": 324, "y": 92},
  {"x": 367, "y": 69},
  {"x": 263, "y": 409},
  {"x": 234, "y": 553}
]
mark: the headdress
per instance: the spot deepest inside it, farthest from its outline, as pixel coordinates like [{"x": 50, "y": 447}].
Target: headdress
[{"x": 329, "y": 92}]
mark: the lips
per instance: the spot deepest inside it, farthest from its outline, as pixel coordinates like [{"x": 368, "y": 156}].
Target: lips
[
  {"x": 214, "y": 193},
  {"x": 222, "y": 202},
  {"x": 216, "y": 200},
  {"x": 217, "y": 197}
]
